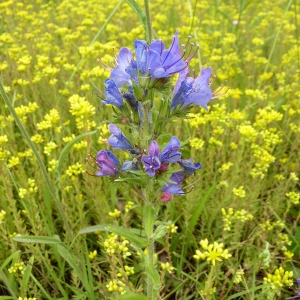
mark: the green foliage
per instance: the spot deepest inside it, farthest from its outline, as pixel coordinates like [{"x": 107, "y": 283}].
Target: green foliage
[{"x": 246, "y": 143}]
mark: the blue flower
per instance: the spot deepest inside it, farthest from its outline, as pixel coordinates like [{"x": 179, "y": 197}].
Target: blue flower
[
  {"x": 170, "y": 189},
  {"x": 152, "y": 162},
  {"x": 170, "y": 153},
  {"x": 163, "y": 63},
  {"x": 107, "y": 163},
  {"x": 193, "y": 91},
  {"x": 119, "y": 74},
  {"x": 117, "y": 139},
  {"x": 113, "y": 95},
  {"x": 150, "y": 61},
  {"x": 189, "y": 166}
]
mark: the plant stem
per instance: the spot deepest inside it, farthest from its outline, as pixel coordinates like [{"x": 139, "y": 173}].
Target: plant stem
[
  {"x": 152, "y": 275},
  {"x": 148, "y": 22}
]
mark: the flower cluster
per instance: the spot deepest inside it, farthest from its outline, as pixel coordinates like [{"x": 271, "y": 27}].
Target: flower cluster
[
  {"x": 133, "y": 89},
  {"x": 212, "y": 252}
]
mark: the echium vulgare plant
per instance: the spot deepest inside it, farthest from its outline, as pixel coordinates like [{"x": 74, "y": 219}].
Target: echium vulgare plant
[{"x": 143, "y": 99}]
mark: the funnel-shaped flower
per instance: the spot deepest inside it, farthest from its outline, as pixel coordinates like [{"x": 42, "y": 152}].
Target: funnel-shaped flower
[
  {"x": 170, "y": 189},
  {"x": 117, "y": 139},
  {"x": 113, "y": 95},
  {"x": 152, "y": 162},
  {"x": 193, "y": 91},
  {"x": 107, "y": 163},
  {"x": 170, "y": 153},
  {"x": 189, "y": 166},
  {"x": 119, "y": 74}
]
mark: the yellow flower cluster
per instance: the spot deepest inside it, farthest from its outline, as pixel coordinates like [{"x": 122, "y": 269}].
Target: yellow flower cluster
[
  {"x": 116, "y": 285},
  {"x": 30, "y": 298},
  {"x": 279, "y": 279},
  {"x": 294, "y": 197},
  {"x": 74, "y": 170},
  {"x": 128, "y": 206},
  {"x": 23, "y": 110},
  {"x": 50, "y": 120},
  {"x": 116, "y": 213},
  {"x": 268, "y": 226},
  {"x": 31, "y": 188},
  {"x": 126, "y": 272},
  {"x": 52, "y": 165},
  {"x": 37, "y": 138},
  {"x": 81, "y": 145},
  {"x": 212, "y": 252},
  {"x": 167, "y": 267},
  {"x": 115, "y": 244},
  {"x": 83, "y": 111},
  {"x": 229, "y": 216},
  {"x": 239, "y": 192},
  {"x": 93, "y": 254},
  {"x": 225, "y": 166},
  {"x": 17, "y": 268},
  {"x": 283, "y": 242},
  {"x": 2, "y": 215},
  {"x": 13, "y": 161},
  {"x": 172, "y": 228},
  {"x": 49, "y": 148},
  {"x": 196, "y": 143}
]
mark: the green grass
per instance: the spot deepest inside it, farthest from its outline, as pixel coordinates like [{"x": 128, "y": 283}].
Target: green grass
[{"x": 53, "y": 46}]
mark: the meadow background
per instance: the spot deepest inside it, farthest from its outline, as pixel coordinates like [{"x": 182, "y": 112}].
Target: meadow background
[{"x": 246, "y": 196}]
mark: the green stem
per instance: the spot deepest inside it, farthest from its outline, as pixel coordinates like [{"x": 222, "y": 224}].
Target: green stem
[
  {"x": 38, "y": 158},
  {"x": 152, "y": 275},
  {"x": 148, "y": 22}
]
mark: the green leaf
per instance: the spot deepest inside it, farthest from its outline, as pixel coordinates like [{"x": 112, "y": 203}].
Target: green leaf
[
  {"x": 26, "y": 275},
  {"x": 133, "y": 238},
  {"x": 160, "y": 232},
  {"x": 73, "y": 262},
  {"x": 153, "y": 274},
  {"x": 36, "y": 239},
  {"x": 132, "y": 296},
  {"x": 238, "y": 295},
  {"x": 149, "y": 220},
  {"x": 67, "y": 149}
]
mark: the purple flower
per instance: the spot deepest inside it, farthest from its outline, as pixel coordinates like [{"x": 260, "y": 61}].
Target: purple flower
[
  {"x": 193, "y": 91},
  {"x": 117, "y": 139},
  {"x": 170, "y": 153},
  {"x": 170, "y": 189},
  {"x": 107, "y": 163},
  {"x": 113, "y": 95},
  {"x": 163, "y": 63},
  {"x": 152, "y": 162},
  {"x": 119, "y": 74},
  {"x": 189, "y": 166}
]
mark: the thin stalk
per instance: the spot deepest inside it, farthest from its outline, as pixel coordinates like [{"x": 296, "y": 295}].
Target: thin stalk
[
  {"x": 148, "y": 22},
  {"x": 38, "y": 158}
]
